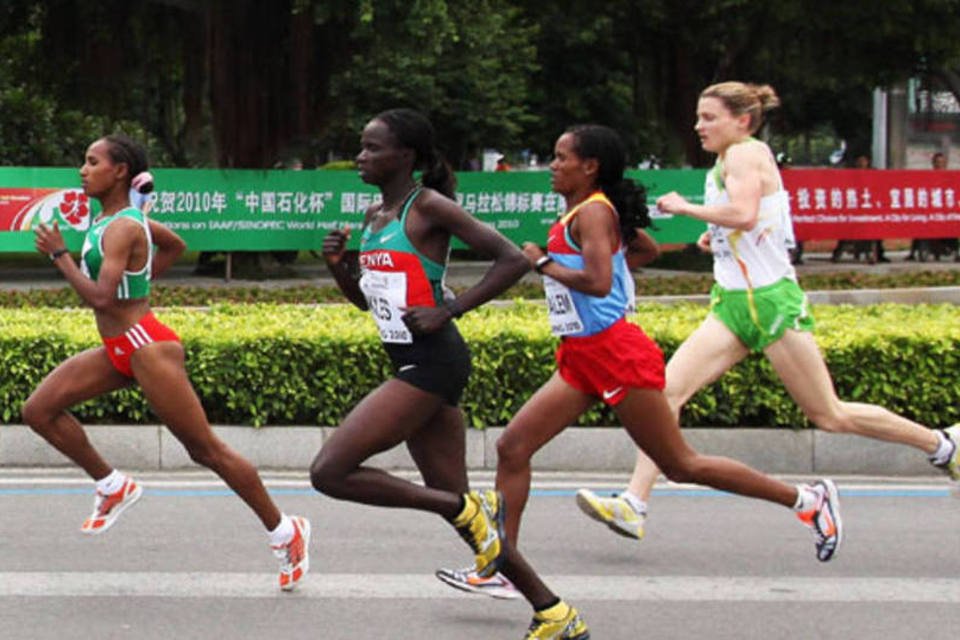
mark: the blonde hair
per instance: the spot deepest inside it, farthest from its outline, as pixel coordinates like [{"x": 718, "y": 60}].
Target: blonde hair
[{"x": 741, "y": 98}]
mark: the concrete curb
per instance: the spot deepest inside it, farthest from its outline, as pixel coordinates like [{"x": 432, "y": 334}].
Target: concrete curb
[{"x": 153, "y": 447}]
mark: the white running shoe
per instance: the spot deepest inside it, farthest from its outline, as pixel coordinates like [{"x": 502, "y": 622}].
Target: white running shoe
[
  {"x": 496, "y": 586},
  {"x": 294, "y": 556},
  {"x": 952, "y": 466},
  {"x": 107, "y": 508},
  {"x": 824, "y": 519}
]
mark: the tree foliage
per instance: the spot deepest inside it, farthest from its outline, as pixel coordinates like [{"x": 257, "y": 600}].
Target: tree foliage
[{"x": 246, "y": 83}]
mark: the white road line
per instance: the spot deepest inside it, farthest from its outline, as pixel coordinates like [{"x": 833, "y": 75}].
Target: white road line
[
  {"x": 564, "y": 484},
  {"x": 418, "y": 587}
]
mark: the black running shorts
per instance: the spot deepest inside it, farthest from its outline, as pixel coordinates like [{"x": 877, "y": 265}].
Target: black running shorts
[{"x": 438, "y": 363}]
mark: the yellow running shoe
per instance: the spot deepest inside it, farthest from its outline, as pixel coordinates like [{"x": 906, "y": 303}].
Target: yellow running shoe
[
  {"x": 559, "y": 622},
  {"x": 481, "y": 525},
  {"x": 615, "y": 512}
]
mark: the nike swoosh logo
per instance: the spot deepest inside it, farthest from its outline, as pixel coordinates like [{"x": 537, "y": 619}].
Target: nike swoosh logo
[
  {"x": 387, "y": 237},
  {"x": 609, "y": 394},
  {"x": 406, "y": 367}
]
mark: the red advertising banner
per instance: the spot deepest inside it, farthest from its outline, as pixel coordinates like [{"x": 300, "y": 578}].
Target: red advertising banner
[
  {"x": 21, "y": 209},
  {"x": 866, "y": 204}
]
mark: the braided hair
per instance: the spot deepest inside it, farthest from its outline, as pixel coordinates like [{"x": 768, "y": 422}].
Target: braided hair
[
  {"x": 125, "y": 150},
  {"x": 629, "y": 198},
  {"x": 414, "y": 131}
]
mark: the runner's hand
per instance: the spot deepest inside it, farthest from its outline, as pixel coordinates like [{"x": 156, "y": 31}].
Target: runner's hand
[
  {"x": 48, "y": 239},
  {"x": 672, "y": 202},
  {"x": 421, "y": 320},
  {"x": 334, "y": 245},
  {"x": 703, "y": 242},
  {"x": 532, "y": 252}
]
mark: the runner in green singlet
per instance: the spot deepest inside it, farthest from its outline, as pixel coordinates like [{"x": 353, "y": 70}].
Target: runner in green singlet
[
  {"x": 756, "y": 304},
  {"x": 122, "y": 252}
]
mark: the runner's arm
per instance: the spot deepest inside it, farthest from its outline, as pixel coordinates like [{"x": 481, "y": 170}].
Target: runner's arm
[
  {"x": 508, "y": 266},
  {"x": 102, "y": 293},
  {"x": 743, "y": 184},
  {"x": 642, "y": 249},
  {"x": 595, "y": 226},
  {"x": 169, "y": 245},
  {"x": 344, "y": 266}
]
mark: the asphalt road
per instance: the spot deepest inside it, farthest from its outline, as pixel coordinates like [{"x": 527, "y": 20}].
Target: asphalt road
[{"x": 188, "y": 562}]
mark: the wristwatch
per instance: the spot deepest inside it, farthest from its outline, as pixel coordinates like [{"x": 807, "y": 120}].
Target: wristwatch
[{"x": 542, "y": 261}]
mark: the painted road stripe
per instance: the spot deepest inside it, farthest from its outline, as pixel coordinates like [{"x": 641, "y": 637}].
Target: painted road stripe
[
  {"x": 419, "y": 587},
  {"x": 566, "y": 487},
  {"x": 153, "y": 489}
]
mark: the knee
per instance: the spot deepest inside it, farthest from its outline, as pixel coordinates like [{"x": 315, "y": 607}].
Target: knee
[
  {"x": 833, "y": 420},
  {"x": 35, "y": 415},
  {"x": 208, "y": 453},
  {"x": 512, "y": 452},
  {"x": 682, "y": 469},
  {"x": 323, "y": 476}
]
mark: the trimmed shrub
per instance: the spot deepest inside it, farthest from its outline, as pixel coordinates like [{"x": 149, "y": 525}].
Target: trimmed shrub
[
  {"x": 164, "y": 295},
  {"x": 293, "y": 364}
]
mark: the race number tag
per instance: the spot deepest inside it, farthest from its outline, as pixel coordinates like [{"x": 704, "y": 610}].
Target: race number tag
[
  {"x": 631, "y": 289},
  {"x": 386, "y": 294},
  {"x": 564, "y": 319}
]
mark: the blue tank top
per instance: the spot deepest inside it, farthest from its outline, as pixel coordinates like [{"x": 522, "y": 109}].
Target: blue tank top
[{"x": 574, "y": 313}]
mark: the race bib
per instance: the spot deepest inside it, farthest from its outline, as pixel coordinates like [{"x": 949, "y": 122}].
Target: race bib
[
  {"x": 564, "y": 319},
  {"x": 386, "y": 294},
  {"x": 631, "y": 289}
]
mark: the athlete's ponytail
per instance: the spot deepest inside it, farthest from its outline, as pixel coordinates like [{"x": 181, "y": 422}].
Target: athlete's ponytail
[
  {"x": 125, "y": 150},
  {"x": 414, "y": 131},
  {"x": 628, "y": 197}
]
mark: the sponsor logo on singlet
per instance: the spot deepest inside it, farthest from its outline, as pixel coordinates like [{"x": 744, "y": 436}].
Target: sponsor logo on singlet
[{"x": 375, "y": 259}]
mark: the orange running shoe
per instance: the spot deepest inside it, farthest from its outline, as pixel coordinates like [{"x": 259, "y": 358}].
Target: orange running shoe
[
  {"x": 295, "y": 555},
  {"x": 107, "y": 508}
]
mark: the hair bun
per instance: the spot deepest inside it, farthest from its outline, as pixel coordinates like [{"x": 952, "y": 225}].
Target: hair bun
[{"x": 142, "y": 182}]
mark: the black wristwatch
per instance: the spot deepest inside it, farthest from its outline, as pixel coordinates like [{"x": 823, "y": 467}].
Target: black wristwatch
[
  {"x": 56, "y": 254},
  {"x": 542, "y": 261}
]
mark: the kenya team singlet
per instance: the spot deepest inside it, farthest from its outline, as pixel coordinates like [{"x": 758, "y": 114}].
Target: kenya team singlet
[{"x": 396, "y": 276}]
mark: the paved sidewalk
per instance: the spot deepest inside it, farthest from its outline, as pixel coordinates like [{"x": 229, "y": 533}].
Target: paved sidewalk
[{"x": 460, "y": 273}]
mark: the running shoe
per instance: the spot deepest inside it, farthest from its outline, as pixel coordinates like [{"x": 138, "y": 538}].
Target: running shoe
[
  {"x": 481, "y": 525},
  {"x": 615, "y": 512},
  {"x": 294, "y": 556},
  {"x": 952, "y": 466},
  {"x": 496, "y": 586},
  {"x": 107, "y": 508},
  {"x": 568, "y": 627},
  {"x": 824, "y": 519}
]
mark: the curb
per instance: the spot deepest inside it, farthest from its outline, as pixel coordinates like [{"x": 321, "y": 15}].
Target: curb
[{"x": 807, "y": 451}]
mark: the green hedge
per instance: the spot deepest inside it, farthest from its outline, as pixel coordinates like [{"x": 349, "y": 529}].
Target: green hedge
[
  {"x": 292, "y": 364},
  {"x": 164, "y": 295}
]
